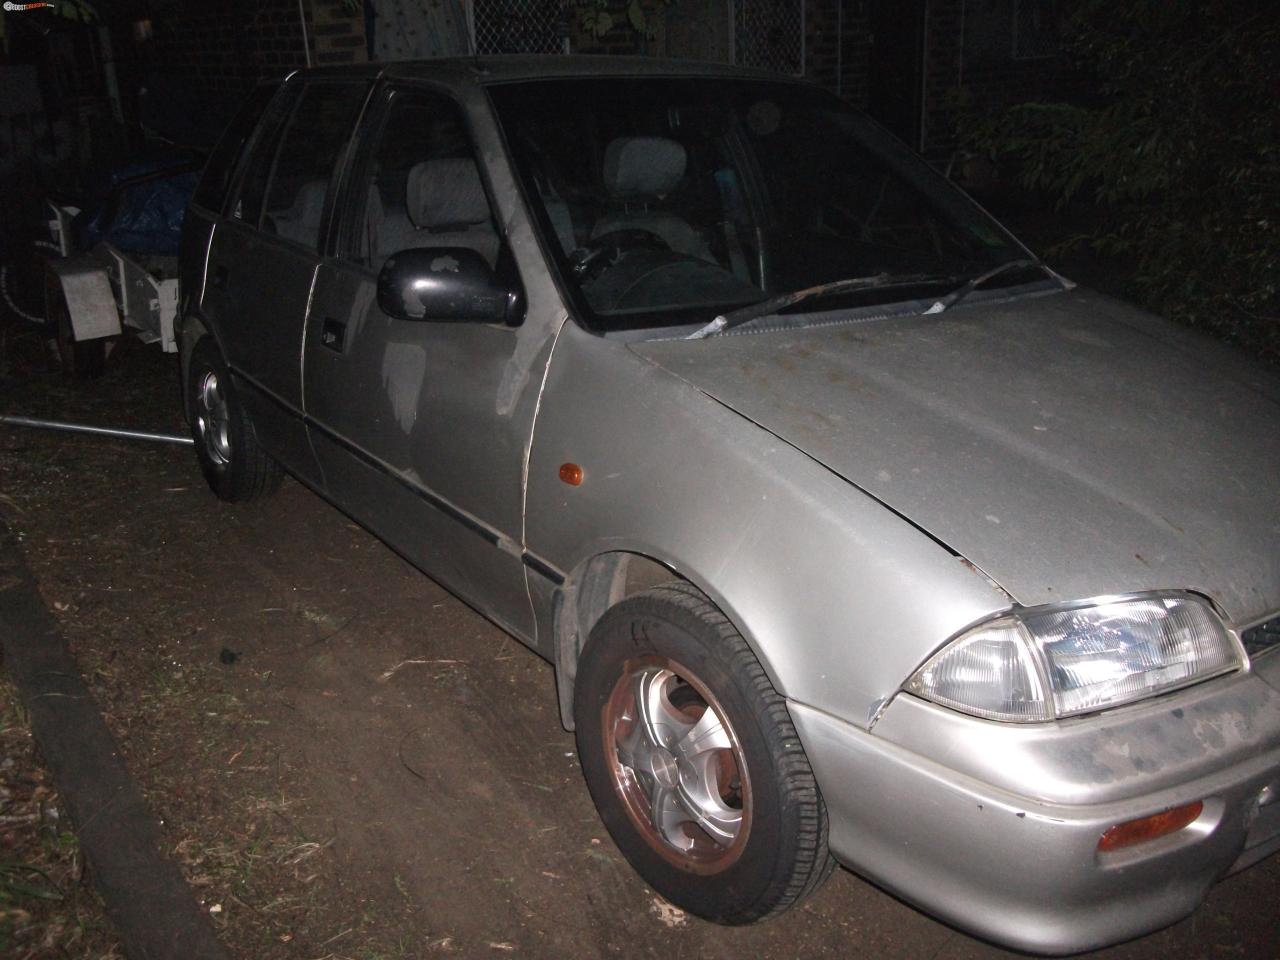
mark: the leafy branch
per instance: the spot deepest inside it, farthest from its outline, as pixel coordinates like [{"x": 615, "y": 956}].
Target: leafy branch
[
  {"x": 1180, "y": 156},
  {"x": 598, "y": 17}
]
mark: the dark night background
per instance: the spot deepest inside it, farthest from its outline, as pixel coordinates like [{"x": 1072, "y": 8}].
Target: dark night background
[{"x": 1134, "y": 143}]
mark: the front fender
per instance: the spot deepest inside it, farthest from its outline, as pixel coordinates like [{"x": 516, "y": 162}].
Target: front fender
[{"x": 840, "y": 598}]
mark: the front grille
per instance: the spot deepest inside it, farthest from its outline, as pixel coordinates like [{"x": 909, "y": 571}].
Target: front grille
[{"x": 1263, "y": 637}]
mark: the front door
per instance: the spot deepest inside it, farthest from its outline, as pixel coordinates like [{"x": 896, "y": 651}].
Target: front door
[{"x": 415, "y": 423}]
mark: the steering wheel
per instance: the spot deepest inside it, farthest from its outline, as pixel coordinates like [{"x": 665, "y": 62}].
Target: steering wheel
[{"x": 610, "y": 248}]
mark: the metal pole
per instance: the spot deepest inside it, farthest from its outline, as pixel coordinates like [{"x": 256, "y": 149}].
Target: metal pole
[
  {"x": 99, "y": 431},
  {"x": 469, "y": 15}
]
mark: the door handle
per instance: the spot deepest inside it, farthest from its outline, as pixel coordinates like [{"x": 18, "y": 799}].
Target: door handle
[
  {"x": 333, "y": 334},
  {"x": 219, "y": 276}
]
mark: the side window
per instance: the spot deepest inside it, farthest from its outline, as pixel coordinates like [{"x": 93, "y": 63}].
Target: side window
[
  {"x": 212, "y": 189},
  {"x": 313, "y": 140},
  {"x": 421, "y": 187},
  {"x": 255, "y": 167}
]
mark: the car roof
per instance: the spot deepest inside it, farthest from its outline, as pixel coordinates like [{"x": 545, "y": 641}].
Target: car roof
[{"x": 502, "y": 68}]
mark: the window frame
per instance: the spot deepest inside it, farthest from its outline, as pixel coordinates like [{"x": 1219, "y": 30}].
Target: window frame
[
  {"x": 274, "y": 143},
  {"x": 234, "y": 146},
  {"x": 899, "y": 157},
  {"x": 348, "y": 219},
  {"x": 266, "y": 138}
]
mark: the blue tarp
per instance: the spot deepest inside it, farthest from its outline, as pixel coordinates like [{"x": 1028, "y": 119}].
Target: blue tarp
[{"x": 144, "y": 216}]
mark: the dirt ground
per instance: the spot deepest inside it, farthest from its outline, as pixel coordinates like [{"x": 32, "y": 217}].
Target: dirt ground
[{"x": 349, "y": 762}]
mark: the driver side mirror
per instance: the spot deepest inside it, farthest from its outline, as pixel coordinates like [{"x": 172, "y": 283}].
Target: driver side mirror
[{"x": 445, "y": 284}]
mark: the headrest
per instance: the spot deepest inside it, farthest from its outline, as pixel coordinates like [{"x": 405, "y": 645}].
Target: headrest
[
  {"x": 309, "y": 203},
  {"x": 445, "y": 193},
  {"x": 643, "y": 166}
]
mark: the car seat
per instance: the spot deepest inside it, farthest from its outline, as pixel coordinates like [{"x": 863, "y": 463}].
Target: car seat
[
  {"x": 447, "y": 207},
  {"x": 639, "y": 173},
  {"x": 300, "y": 221}
]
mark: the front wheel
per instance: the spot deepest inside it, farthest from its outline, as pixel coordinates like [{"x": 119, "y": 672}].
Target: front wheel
[{"x": 693, "y": 762}]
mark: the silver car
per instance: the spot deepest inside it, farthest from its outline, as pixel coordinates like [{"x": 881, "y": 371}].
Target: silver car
[{"x": 855, "y": 533}]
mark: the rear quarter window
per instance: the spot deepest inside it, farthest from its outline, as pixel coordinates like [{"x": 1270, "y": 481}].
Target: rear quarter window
[{"x": 215, "y": 181}]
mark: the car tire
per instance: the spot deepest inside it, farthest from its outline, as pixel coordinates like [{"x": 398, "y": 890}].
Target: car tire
[
  {"x": 720, "y": 815},
  {"x": 232, "y": 460}
]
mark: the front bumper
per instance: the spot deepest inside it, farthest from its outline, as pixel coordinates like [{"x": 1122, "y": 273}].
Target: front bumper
[{"x": 995, "y": 827}]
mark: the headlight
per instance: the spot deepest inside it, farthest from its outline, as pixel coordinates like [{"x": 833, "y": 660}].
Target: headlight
[{"x": 1042, "y": 663}]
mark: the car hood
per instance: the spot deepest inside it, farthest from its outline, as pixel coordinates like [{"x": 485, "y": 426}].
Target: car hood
[{"x": 1067, "y": 444}]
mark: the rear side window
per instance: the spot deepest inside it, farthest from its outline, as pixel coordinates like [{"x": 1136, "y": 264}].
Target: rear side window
[
  {"x": 211, "y": 192},
  {"x": 313, "y": 141}
]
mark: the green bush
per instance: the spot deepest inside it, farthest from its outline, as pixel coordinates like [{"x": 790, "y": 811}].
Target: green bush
[{"x": 1179, "y": 151}]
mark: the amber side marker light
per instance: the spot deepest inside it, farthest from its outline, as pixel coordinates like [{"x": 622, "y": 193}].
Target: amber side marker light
[
  {"x": 1149, "y": 828},
  {"x": 571, "y": 474}
]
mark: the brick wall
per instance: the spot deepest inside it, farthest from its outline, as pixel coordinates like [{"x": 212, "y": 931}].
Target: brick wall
[
  {"x": 943, "y": 58},
  {"x": 996, "y": 85},
  {"x": 337, "y": 35},
  {"x": 695, "y": 30},
  {"x": 223, "y": 49},
  {"x": 968, "y": 56},
  {"x": 837, "y": 47},
  {"x": 838, "y": 56},
  {"x": 992, "y": 77}
]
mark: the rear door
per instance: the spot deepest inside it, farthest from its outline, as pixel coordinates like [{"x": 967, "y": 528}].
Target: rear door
[
  {"x": 264, "y": 255},
  {"x": 210, "y": 198}
]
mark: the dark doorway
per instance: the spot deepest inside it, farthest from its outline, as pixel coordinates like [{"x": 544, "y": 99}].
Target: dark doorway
[{"x": 896, "y": 87}]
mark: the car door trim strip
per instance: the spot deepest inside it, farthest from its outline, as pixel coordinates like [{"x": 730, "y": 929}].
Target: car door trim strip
[
  {"x": 542, "y": 568},
  {"x": 494, "y": 537}
]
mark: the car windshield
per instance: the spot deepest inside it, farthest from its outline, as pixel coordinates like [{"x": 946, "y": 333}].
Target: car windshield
[{"x": 670, "y": 201}]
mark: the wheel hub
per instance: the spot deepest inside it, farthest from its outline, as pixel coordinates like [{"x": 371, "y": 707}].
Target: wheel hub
[
  {"x": 677, "y": 766},
  {"x": 661, "y": 767},
  {"x": 213, "y": 422}
]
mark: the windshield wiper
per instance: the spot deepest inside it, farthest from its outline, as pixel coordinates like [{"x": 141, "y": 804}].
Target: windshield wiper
[
  {"x": 765, "y": 308},
  {"x": 962, "y": 291}
]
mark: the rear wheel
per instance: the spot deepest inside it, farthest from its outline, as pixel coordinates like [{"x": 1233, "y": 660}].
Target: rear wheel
[
  {"x": 693, "y": 761},
  {"x": 233, "y": 462}
]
